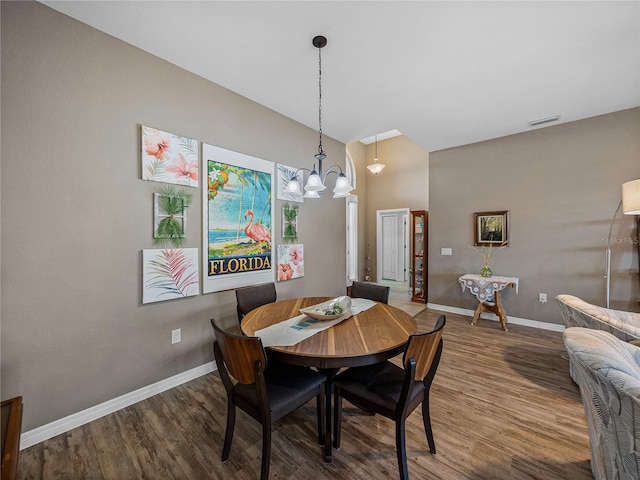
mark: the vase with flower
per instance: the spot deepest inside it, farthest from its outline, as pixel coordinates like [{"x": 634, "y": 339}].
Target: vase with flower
[{"x": 487, "y": 255}]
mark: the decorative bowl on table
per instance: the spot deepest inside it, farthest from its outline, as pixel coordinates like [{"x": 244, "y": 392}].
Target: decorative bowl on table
[{"x": 329, "y": 310}]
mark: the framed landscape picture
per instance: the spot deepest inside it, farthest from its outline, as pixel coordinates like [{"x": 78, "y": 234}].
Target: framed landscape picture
[{"x": 491, "y": 228}]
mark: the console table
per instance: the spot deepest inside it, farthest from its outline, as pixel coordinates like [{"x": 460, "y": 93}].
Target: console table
[{"x": 487, "y": 291}]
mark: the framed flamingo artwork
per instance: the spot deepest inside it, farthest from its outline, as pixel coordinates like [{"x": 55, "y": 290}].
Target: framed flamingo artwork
[
  {"x": 169, "y": 273},
  {"x": 290, "y": 262},
  {"x": 169, "y": 158},
  {"x": 237, "y": 220}
]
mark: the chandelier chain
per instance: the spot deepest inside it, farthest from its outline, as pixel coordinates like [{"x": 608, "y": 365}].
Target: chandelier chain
[{"x": 320, "y": 150}]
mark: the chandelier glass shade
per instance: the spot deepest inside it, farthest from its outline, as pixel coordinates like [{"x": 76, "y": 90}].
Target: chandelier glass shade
[
  {"x": 317, "y": 178},
  {"x": 376, "y": 167}
]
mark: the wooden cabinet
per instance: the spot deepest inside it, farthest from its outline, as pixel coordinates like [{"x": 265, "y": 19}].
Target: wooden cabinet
[{"x": 418, "y": 277}]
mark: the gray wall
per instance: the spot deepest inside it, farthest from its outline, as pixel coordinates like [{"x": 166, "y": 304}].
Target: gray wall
[
  {"x": 561, "y": 186},
  {"x": 76, "y": 216}
]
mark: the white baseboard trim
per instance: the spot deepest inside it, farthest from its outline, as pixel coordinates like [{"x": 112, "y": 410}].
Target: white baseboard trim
[
  {"x": 490, "y": 316},
  {"x": 70, "y": 422}
]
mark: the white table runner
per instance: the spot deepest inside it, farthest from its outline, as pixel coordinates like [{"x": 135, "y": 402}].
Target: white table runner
[
  {"x": 484, "y": 288},
  {"x": 296, "y": 329}
]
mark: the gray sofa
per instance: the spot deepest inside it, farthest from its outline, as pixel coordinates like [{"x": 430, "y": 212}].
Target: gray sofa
[
  {"x": 607, "y": 371},
  {"x": 578, "y": 313}
]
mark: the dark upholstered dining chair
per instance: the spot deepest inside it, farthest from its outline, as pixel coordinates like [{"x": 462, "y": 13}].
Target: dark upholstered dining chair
[
  {"x": 394, "y": 392},
  {"x": 249, "y": 298},
  {"x": 377, "y": 293},
  {"x": 265, "y": 390}
]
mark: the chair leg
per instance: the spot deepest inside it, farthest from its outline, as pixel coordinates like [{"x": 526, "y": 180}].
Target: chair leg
[
  {"x": 228, "y": 436},
  {"x": 426, "y": 419},
  {"x": 322, "y": 432},
  {"x": 337, "y": 417},
  {"x": 401, "y": 450},
  {"x": 266, "y": 451}
]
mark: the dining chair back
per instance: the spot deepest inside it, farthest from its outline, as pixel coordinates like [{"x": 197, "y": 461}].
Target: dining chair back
[
  {"x": 250, "y": 298},
  {"x": 243, "y": 357},
  {"x": 372, "y": 291},
  {"x": 265, "y": 389},
  {"x": 423, "y": 349},
  {"x": 394, "y": 392}
]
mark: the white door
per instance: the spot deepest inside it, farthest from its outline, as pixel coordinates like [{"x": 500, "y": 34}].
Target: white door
[
  {"x": 392, "y": 248},
  {"x": 389, "y": 247}
]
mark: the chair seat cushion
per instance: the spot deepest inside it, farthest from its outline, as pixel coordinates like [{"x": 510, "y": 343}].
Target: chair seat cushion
[
  {"x": 288, "y": 387},
  {"x": 379, "y": 384}
]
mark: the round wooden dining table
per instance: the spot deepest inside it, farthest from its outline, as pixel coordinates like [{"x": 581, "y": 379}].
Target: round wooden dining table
[{"x": 371, "y": 336}]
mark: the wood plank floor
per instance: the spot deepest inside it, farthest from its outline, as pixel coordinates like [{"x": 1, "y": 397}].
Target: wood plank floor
[{"x": 503, "y": 407}]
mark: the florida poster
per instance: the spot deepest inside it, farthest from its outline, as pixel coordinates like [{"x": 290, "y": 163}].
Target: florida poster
[{"x": 238, "y": 220}]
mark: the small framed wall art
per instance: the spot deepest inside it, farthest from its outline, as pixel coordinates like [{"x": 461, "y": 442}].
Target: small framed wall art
[
  {"x": 170, "y": 216},
  {"x": 169, "y": 158},
  {"x": 491, "y": 228},
  {"x": 289, "y": 222},
  {"x": 169, "y": 273},
  {"x": 290, "y": 262}
]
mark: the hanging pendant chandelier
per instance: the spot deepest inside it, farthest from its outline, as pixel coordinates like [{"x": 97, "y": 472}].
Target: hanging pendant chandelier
[
  {"x": 376, "y": 167},
  {"x": 316, "y": 180}
]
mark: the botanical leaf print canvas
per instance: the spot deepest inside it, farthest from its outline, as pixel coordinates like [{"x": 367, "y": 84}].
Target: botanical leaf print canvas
[
  {"x": 169, "y": 158},
  {"x": 169, "y": 273}
]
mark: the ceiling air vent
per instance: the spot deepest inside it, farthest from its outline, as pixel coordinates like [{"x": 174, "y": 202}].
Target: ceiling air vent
[{"x": 541, "y": 121}]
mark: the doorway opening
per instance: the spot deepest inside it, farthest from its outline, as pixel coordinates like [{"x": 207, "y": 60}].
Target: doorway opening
[{"x": 392, "y": 240}]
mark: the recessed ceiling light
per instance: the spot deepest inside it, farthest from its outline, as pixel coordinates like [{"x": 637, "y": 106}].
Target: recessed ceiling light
[{"x": 540, "y": 121}]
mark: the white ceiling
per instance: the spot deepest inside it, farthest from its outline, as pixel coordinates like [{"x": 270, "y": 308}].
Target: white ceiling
[{"x": 443, "y": 73}]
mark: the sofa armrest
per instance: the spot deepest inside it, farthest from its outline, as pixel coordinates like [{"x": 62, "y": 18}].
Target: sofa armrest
[{"x": 578, "y": 313}]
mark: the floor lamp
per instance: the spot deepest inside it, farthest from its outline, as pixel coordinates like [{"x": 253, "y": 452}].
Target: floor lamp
[{"x": 630, "y": 205}]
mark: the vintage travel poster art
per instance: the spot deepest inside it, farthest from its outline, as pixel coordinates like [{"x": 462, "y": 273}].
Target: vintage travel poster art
[
  {"x": 169, "y": 158},
  {"x": 237, "y": 220}
]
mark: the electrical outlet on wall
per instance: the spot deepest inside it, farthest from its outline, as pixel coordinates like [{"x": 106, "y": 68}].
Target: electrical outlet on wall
[
  {"x": 542, "y": 297},
  {"x": 175, "y": 336}
]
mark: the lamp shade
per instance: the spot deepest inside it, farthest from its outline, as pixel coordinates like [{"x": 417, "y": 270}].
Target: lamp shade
[
  {"x": 376, "y": 167},
  {"x": 293, "y": 187},
  {"x": 311, "y": 194},
  {"x": 343, "y": 187},
  {"x": 314, "y": 183},
  {"x": 631, "y": 197}
]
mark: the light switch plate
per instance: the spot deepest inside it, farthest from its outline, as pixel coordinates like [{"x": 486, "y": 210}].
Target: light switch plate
[
  {"x": 446, "y": 251},
  {"x": 175, "y": 336}
]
